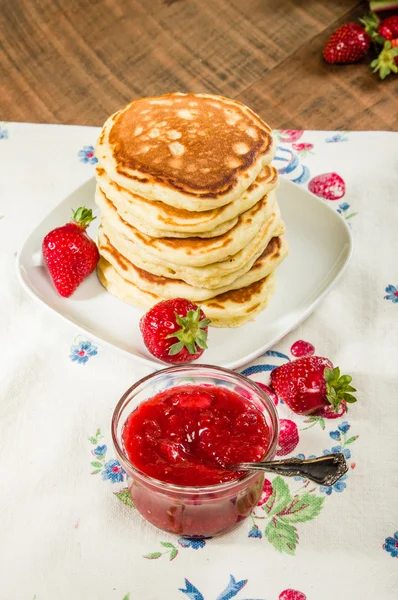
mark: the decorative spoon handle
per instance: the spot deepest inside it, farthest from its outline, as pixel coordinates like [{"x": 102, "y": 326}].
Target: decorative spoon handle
[{"x": 324, "y": 470}]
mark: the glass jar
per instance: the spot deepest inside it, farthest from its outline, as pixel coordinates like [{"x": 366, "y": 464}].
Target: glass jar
[{"x": 193, "y": 511}]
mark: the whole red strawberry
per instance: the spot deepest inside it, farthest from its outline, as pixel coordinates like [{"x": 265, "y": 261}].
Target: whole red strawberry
[
  {"x": 311, "y": 384},
  {"x": 70, "y": 255},
  {"x": 388, "y": 28},
  {"x": 348, "y": 44},
  {"x": 175, "y": 331}
]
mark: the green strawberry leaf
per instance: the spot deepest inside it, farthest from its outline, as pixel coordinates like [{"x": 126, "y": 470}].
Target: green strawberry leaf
[
  {"x": 176, "y": 348},
  {"x": 352, "y": 439},
  {"x": 92, "y": 440},
  {"x": 96, "y": 471},
  {"x": 96, "y": 464},
  {"x": 127, "y": 596},
  {"x": 349, "y": 398},
  {"x": 124, "y": 496},
  {"x": 167, "y": 545},
  {"x": 173, "y": 554},
  {"x": 302, "y": 508},
  {"x": 279, "y": 498},
  {"x": 153, "y": 555},
  {"x": 314, "y": 421},
  {"x": 282, "y": 536}
]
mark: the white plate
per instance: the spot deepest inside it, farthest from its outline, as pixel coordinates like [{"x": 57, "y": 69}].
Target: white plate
[{"x": 320, "y": 248}]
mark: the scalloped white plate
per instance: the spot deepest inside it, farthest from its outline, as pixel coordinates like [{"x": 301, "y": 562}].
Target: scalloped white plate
[{"x": 320, "y": 248}]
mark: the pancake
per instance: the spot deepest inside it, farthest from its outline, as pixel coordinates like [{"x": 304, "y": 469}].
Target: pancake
[
  {"x": 230, "y": 309},
  {"x": 108, "y": 209},
  {"x": 159, "y": 219},
  {"x": 193, "y": 251},
  {"x": 209, "y": 276},
  {"x": 275, "y": 252},
  {"x": 191, "y": 151}
]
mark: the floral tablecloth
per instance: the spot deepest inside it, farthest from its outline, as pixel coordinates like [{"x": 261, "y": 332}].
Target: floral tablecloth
[{"x": 68, "y": 529}]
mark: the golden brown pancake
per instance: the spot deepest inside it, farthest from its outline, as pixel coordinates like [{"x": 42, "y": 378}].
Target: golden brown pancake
[
  {"x": 192, "y": 251},
  {"x": 166, "y": 287},
  {"x": 230, "y": 309},
  {"x": 192, "y": 151},
  {"x": 213, "y": 275},
  {"x": 159, "y": 219}
]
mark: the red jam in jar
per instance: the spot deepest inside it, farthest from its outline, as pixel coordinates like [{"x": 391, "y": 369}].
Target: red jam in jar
[
  {"x": 186, "y": 435},
  {"x": 174, "y": 433}
]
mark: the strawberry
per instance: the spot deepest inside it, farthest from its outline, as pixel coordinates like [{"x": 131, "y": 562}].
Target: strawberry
[
  {"x": 292, "y": 595},
  {"x": 387, "y": 61},
  {"x": 70, "y": 255},
  {"x": 175, "y": 331},
  {"x": 266, "y": 493},
  {"x": 290, "y": 135},
  {"x": 328, "y": 185},
  {"x": 311, "y": 384},
  {"x": 288, "y": 437},
  {"x": 388, "y": 28},
  {"x": 328, "y": 412},
  {"x": 302, "y": 147},
  {"x": 302, "y": 348},
  {"x": 348, "y": 44}
]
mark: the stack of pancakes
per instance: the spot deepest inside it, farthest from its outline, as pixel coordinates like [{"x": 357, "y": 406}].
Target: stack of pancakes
[{"x": 188, "y": 206}]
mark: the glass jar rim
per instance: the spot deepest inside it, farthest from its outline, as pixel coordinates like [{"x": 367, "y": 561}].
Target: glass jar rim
[{"x": 172, "y": 487}]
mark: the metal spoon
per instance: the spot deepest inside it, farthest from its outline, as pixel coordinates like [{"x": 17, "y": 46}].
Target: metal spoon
[{"x": 324, "y": 470}]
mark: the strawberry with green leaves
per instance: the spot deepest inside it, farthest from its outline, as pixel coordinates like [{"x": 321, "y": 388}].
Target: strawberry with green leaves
[
  {"x": 175, "y": 331},
  {"x": 384, "y": 35},
  {"x": 387, "y": 61},
  {"x": 70, "y": 255},
  {"x": 311, "y": 385}
]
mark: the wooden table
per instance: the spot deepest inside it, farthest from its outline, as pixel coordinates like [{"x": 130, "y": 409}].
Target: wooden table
[{"x": 77, "y": 61}]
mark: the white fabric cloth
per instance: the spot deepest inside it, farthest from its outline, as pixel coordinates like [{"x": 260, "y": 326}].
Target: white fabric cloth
[{"x": 66, "y": 533}]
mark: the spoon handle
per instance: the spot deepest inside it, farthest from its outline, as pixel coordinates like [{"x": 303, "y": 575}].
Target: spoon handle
[{"x": 324, "y": 470}]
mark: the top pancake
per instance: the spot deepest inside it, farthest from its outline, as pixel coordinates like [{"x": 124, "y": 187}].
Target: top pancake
[{"x": 191, "y": 151}]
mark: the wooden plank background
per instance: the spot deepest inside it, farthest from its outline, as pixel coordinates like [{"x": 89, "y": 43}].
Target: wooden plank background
[{"x": 77, "y": 61}]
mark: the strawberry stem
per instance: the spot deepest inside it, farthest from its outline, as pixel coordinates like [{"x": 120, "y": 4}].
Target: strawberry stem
[
  {"x": 338, "y": 388},
  {"x": 192, "y": 335},
  {"x": 385, "y": 62},
  {"x": 82, "y": 217}
]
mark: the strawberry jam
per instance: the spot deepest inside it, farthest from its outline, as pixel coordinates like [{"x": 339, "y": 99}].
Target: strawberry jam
[
  {"x": 187, "y": 435},
  {"x": 175, "y": 445}
]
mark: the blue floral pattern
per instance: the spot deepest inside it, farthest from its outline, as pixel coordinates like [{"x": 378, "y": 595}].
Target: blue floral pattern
[
  {"x": 337, "y": 137},
  {"x": 232, "y": 589},
  {"x": 113, "y": 471},
  {"x": 86, "y": 155},
  {"x": 391, "y": 545},
  {"x": 344, "y": 211},
  {"x": 339, "y": 486},
  {"x": 392, "y": 293},
  {"x": 81, "y": 351},
  {"x": 194, "y": 543},
  {"x": 345, "y": 451},
  {"x": 255, "y": 532},
  {"x": 100, "y": 451}
]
